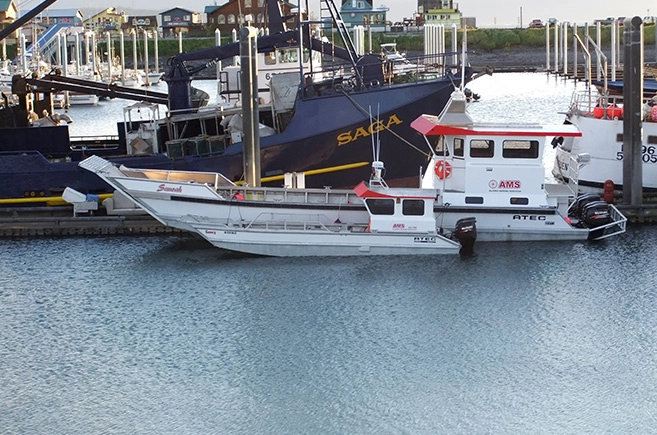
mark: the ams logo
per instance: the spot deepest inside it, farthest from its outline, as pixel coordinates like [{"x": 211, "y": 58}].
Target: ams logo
[
  {"x": 350, "y": 136},
  {"x": 504, "y": 184}
]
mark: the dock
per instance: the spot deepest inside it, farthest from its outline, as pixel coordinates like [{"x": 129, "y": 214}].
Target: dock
[{"x": 60, "y": 221}]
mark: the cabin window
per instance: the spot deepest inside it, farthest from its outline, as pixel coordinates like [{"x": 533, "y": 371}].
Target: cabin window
[
  {"x": 231, "y": 19},
  {"x": 221, "y": 19},
  {"x": 474, "y": 200},
  {"x": 520, "y": 149},
  {"x": 288, "y": 56},
  {"x": 261, "y": 3},
  {"x": 413, "y": 207},
  {"x": 247, "y": 3},
  {"x": 519, "y": 201},
  {"x": 261, "y": 18},
  {"x": 652, "y": 140},
  {"x": 482, "y": 148},
  {"x": 270, "y": 58},
  {"x": 459, "y": 145},
  {"x": 438, "y": 145},
  {"x": 381, "y": 206}
]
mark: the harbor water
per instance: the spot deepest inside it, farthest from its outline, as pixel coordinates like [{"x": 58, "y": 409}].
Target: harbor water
[{"x": 167, "y": 335}]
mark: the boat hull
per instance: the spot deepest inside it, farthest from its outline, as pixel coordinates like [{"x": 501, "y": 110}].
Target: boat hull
[
  {"x": 190, "y": 206},
  {"x": 600, "y": 140},
  {"x": 327, "y": 132},
  {"x": 325, "y": 242}
]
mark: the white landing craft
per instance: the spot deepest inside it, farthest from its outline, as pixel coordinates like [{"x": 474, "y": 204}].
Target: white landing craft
[
  {"x": 485, "y": 173},
  {"x": 369, "y": 220}
]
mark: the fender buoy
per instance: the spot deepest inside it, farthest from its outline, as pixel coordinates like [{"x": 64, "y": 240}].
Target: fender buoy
[{"x": 442, "y": 169}]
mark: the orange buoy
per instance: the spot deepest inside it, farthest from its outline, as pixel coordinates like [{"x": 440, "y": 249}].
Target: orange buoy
[
  {"x": 598, "y": 112},
  {"x": 615, "y": 112}
]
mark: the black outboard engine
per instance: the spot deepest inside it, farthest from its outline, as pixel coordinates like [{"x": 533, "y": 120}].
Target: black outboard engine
[
  {"x": 466, "y": 234},
  {"x": 596, "y": 214},
  {"x": 576, "y": 210}
]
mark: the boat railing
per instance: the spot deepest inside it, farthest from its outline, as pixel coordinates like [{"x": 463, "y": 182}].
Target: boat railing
[
  {"x": 592, "y": 103},
  {"x": 341, "y": 77},
  {"x": 306, "y": 222},
  {"x": 301, "y": 196},
  {"x": 616, "y": 226}
]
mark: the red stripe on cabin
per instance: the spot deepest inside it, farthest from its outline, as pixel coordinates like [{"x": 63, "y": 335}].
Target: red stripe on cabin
[{"x": 430, "y": 128}]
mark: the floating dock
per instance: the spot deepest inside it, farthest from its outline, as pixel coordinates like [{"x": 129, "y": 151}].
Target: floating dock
[{"x": 60, "y": 221}]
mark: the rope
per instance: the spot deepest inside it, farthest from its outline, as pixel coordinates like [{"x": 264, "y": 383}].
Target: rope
[{"x": 365, "y": 112}]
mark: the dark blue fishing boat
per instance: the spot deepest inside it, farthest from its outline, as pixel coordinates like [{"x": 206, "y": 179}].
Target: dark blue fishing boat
[{"x": 325, "y": 128}]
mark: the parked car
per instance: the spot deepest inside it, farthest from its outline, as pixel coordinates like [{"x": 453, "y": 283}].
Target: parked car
[
  {"x": 536, "y": 24},
  {"x": 604, "y": 21}
]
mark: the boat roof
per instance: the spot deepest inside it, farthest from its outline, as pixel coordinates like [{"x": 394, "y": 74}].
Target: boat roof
[
  {"x": 429, "y": 125},
  {"x": 363, "y": 191}
]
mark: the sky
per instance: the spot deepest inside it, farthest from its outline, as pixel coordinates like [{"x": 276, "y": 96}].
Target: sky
[{"x": 488, "y": 13}]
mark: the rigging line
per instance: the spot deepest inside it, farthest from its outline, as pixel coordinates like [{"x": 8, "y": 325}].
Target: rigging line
[{"x": 362, "y": 109}]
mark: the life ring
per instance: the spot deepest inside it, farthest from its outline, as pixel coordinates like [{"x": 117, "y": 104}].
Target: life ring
[{"x": 442, "y": 169}]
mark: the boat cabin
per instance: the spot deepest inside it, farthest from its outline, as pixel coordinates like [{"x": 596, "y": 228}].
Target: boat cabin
[
  {"x": 486, "y": 164},
  {"x": 399, "y": 210}
]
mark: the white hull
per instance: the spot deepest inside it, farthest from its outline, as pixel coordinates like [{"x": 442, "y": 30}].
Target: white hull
[
  {"x": 83, "y": 99},
  {"x": 328, "y": 241},
  {"x": 600, "y": 140}
]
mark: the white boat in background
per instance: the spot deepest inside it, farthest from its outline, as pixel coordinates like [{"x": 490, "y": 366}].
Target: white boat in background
[
  {"x": 369, "y": 220},
  {"x": 396, "y": 62},
  {"x": 600, "y": 119},
  {"x": 77, "y": 99},
  {"x": 153, "y": 78},
  {"x": 489, "y": 173}
]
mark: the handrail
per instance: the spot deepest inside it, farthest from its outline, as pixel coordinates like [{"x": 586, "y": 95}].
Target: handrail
[{"x": 600, "y": 54}]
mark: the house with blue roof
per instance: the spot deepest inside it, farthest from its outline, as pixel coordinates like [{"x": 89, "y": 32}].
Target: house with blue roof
[
  {"x": 363, "y": 13},
  {"x": 8, "y": 12}
]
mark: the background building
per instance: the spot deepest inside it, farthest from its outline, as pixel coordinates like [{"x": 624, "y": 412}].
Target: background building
[
  {"x": 232, "y": 15},
  {"x": 108, "y": 20},
  {"x": 177, "y": 20},
  {"x": 363, "y": 13},
  {"x": 439, "y": 12}
]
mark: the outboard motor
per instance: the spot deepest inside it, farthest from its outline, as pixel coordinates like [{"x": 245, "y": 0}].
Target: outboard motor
[
  {"x": 466, "y": 234},
  {"x": 577, "y": 207},
  {"x": 595, "y": 214}
]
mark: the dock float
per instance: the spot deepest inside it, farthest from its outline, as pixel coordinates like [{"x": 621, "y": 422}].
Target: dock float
[{"x": 60, "y": 221}]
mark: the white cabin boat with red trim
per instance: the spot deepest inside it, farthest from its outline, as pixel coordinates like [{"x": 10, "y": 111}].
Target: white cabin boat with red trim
[
  {"x": 495, "y": 173},
  {"x": 490, "y": 174}
]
